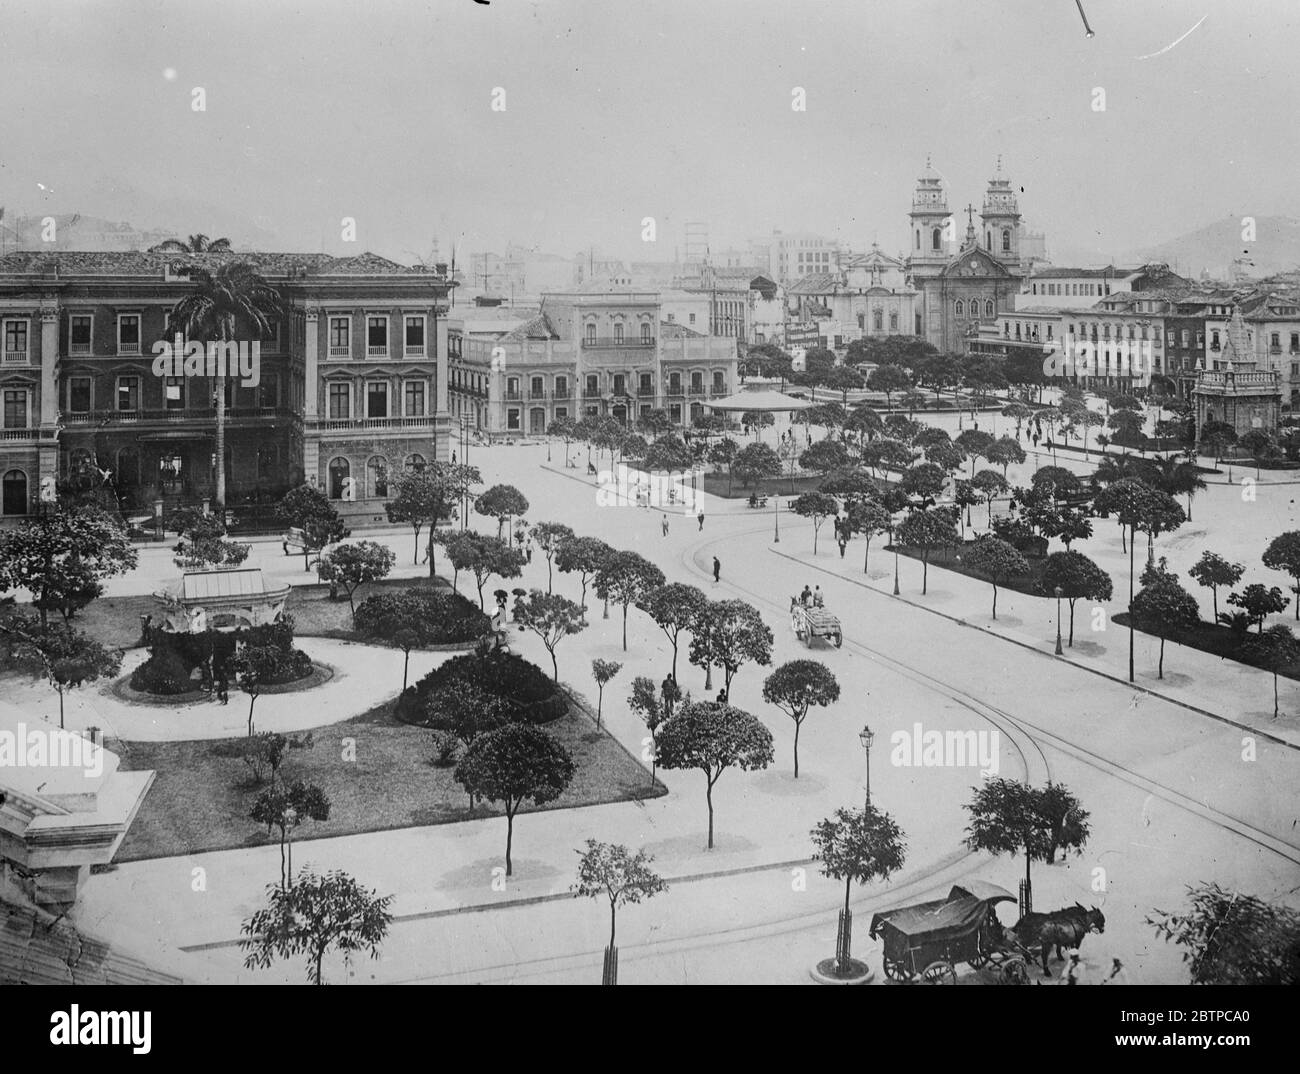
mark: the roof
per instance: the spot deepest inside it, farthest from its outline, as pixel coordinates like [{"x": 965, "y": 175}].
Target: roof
[
  {"x": 815, "y": 283},
  {"x": 673, "y": 330},
  {"x": 245, "y": 581},
  {"x": 144, "y": 263},
  {"x": 538, "y": 327},
  {"x": 36, "y": 948},
  {"x": 954, "y": 916},
  {"x": 1109, "y": 272}
]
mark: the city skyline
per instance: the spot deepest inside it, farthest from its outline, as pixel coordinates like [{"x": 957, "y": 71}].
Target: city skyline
[{"x": 662, "y": 117}]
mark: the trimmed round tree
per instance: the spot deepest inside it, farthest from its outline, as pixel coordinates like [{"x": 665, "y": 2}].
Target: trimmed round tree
[
  {"x": 1213, "y": 571},
  {"x": 1077, "y": 577},
  {"x": 514, "y": 764},
  {"x": 1163, "y": 607},
  {"x": 501, "y": 502},
  {"x": 674, "y": 607},
  {"x": 925, "y": 531},
  {"x": 1283, "y": 554},
  {"x": 817, "y": 506},
  {"x": 713, "y": 738},
  {"x": 996, "y": 560},
  {"x": 795, "y": 687},
  {"x": 730, "y": 633},
  {"x": 625, "y": 577}
]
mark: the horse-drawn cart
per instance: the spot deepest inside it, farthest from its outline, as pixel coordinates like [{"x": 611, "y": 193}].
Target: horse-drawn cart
[
  {"x": 925, "y": 941},
  {"x": 809, "y": 623}
]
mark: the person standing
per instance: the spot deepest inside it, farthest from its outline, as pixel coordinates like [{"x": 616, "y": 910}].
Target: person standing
[
  {"x": 700, "y": 517},
  {"x": 717, "y": 570},
  {"x": 842, "y": 541},
  {"x": 664, "y": 523}
]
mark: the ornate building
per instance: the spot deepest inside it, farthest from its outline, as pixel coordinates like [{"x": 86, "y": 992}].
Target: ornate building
[
  {"x": 1235, "y": 390},
  {"x": 960, "y": 286}
]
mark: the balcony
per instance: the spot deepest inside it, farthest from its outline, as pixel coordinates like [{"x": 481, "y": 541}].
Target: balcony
[
  {"x": 357, "y": 424},
  {"x": 514, "y": 397},
  {"x": 15, "y": 358},
  {"x": 177, "y": 416},
  {"x": 377, "y": 352},
  {"x": 591, "y": 393},
  {"x": 414, "y": 351},
  {"x": 19, "y": 434},
  {"x": 676, "y": 389},
  {"x": 697, "y": 389},
  {"x": 562, "y": 394},
  {"x": 645, "y": 391},
  {"x": 340, "y": 352},
  {"x": 1275, "y": 348},
  {"x": 613, "y": 341},
  {"x": 537, "y": 394}
]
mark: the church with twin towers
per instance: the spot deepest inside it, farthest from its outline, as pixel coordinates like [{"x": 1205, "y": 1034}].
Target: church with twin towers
[{"x": 961, "y": 281}]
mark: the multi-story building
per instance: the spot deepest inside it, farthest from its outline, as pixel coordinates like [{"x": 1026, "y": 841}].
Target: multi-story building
[
  {"x": 591, "y": 354},
  {"x": 868, "y": 296},
  {"x": 1080, "y": 288},
  {"x": 786, "y": 256},
  {"x": 351, "y": 383}
]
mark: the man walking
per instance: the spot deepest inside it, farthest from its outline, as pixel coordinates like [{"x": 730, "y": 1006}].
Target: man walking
[
  {"x": 717, "y": 570},
  {"x": 665, "y": 525},
  {"x": 700, "y": 516}
]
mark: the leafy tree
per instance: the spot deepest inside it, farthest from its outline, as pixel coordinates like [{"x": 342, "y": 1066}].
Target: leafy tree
[
  {"x": 1234, "y": 939},
  {"x": 552, "y": 618},
  {"x": 990, "y": 484},
  {"x": 514, "y": 764},
  {"x": 353, "y": 565},
  {"x": 825, "y": 456},
  {"x": 889, "y": 379},
  {"x": 817, "y": 506},
  {"x": 1260, "y": 445},
  {"x": 849, "y": 483},
  {"x": 567, "y": 430},
  {"x": 669, "y": 453},
  {"x": 1178, "y": 477},
  {"x": 867, "y": 517},
  {"x": 583, "y": 556},
  {"x": 713, "y": 738},
  {"x": 1055, "y": 481},
  {"x": 429, "y": 496},
  {"x": 602, "y": 671},
  {"x": 1259, "y": 602},
  {"x": 1163, "y": 607},
  {"x": 308, "y": 508},
  {"x": 1283, "y": 554},
  {"x": 314, "y": 916},
  {"x": 549, "y": 536},
  {"x": 902, "y": 428},
  {"x": 997, "y": 561},
  {"x": 1003, "y": 452},
  {"x": 624, "y": 578},
  {"x": 859, "y": 845},
  {"x": 926, "y": 531},
  {"x": 1274, "y": 649},
  {"x": 64, "y": 655},
  {"x": 924, "y": 480},
  {"x": 1010, "y": 817},
  {"x": 1218, "y": 435},
  {"x": 485, "y": 556},
  {"x": 1127, "y": 427},
  {"x": 286, "y": 808},
  {"x": 977, "y": 444},
  {"x": 1077, "y": 577},
  {"x": 255, "y": 667},
  {"x": 723, "y": 454},
  {"x": 1137, "y": 506},
  {"x": 674, "y": 608},
  {"x": 795, "y": 687},
  {"x": 62, "y": 558},
  {"x": 754, "y": 462},
  {"x": 501, "y": 502},
  {"x": 234, "y": 294},
  {"x": 655, "y": 422},
  {"x": 613, "y": 871},
  {"x": 730, "y": 633},
  {"x": 1212, "y": 571},
  {"x": 203, "y": 544},
  {"x": 1019, "y": 412},
  {"x": 653, "y": 708},
  {"x": 946, "y": 455}
]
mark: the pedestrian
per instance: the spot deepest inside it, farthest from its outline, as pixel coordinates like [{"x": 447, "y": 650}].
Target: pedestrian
[
  {"x": 453, "y": 458},
  {"x": 717, "y": 570},
  {"x": 528, "y": 551},
  {"x": 223, "y": 686},
  {"x": 805, "y": 598},
  {"x": 1118, "y": 975},
  {"x": 843, "y": 543},
  {"x": 665, "y": 525},
  {"x": 722, "y": 695},
  {"x": 700, "y": 517}
]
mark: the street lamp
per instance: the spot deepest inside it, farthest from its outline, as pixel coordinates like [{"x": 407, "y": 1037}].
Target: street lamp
[
  {"x": 776, "y": 519},
  {"x": 1059, "y": 652},
  {"x": 290, "y": 820},
  {"x": 866, "y": 737},
  {"x": 893, "y": 540}
]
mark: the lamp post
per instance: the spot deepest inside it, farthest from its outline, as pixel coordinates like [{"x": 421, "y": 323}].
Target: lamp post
[
  {"x": 776, "y": 519},
  {"x": 290, "y": 820},
  {"x": 893, "y": 540},
  {"x": 866, "y": 737},
  {"x": 1059, "y": 651}
]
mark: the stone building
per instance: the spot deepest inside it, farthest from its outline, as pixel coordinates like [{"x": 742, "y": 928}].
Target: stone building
[{"x": 1236, "y": 391}]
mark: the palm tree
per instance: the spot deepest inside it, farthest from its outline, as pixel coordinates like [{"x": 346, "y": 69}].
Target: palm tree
[
  {"x": 196, "y": 244},
  {"x": 232, "y": 294},
  {"x": 1178, "y": 477}
]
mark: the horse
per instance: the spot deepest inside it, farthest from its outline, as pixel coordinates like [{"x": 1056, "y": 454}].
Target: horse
[{"x": 1064, "y": 928}]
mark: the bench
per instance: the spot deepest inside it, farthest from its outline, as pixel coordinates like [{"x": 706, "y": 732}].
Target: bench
[{"x": 759, "y": 501}]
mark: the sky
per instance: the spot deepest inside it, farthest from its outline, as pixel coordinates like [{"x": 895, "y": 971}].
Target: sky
[{"x": 619, "y": 110}]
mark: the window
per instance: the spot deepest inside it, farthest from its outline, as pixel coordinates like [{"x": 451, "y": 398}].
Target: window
[
  {"x": 697, "y": 383},
  {"x": 128, "y": 333},
  {"x": 893, "y": 321},
  {"x": 1185, "y": 337},
  {"x": 15, "y": 342},
  {"x": 413, "y": 393},
  {"x": 561, "y": 387},
  {"x": 414, "y": 463},
  {"x": 536, "y": 389},
  {"x": 591, "y": 332},
  {"x": 988, "y": 308},
  {"x": 593, "y": 385},
  {"x": 79, "y": 326},
  {"x": 1006, "y": 240},
  {"x": 377, "y": 336},
  {"x": 645, "y": 333},
  {"x": 718, "y": 382},
  {"x": 878, "y": 320},
  {"x": 377, "y": 477},
  {"x": 1214, "y": 339},
  {"x": 692, "y": 321},
  {"x": 512, "y": 418},
  {"x": 15, "y": 408},
  {"x": 268, "y": 391},
  {"x": 618, "y": 333},
  {"x": 340, "y": 479},
  {"x": 128, "y": 394},
  {"x": 79, "y": 395},
  {"x": 936, "y": 239},
  {"x": 959, "y": 308},
  {"x": 413, "y": 341},
  {"x": 340, "y": 337},
  {"x": 376, "y": 399},
  {"x": 675, "y": 383},
  {"x": 1275, "y": 340},
  {"x": 620, "y": 387},
  {"x": 1295, "y": 341},
  {"x": 340, "y": 401},
  {"x": 918, "y": 238},
  {"x": 174, "y": 393},
  {"x": 268, "y": 462}
]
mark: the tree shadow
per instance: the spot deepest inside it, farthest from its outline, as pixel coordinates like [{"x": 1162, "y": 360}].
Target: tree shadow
[
  {"x": 692, "y": 844},
  {"x": 783, "y": 784},
  {"x": 478, "y": 876}
]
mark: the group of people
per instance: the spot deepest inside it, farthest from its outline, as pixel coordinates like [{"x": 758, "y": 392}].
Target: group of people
[{"x": 809, "y": 598}]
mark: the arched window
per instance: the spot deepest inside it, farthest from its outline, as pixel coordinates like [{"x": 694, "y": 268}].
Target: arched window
[
  {"x": 918, "y": 238},
  {"x": 936, "y": 239},
  {"x": 377, "y": 477},
  {"x": 13, "y": 500},
  {"x": 960, "y": 307},
  {"x": 1006, "y": 240},
  {"x": 988, "y": 308},
  {"x": 877, "y": 320},
  {"x": 340, "y": 478},
  {"x": 645, "y": 333},
  {"x": 128, "y": 467},
  {"x": 893, "y": 321},
  {"x": 414, "y": 463}
]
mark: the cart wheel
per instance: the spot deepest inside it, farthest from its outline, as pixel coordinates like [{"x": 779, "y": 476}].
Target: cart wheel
[
  {"x": 1014, "y": 971},
  {"x": 940, "y": 972},
  {"x": 897, "y": 971}
]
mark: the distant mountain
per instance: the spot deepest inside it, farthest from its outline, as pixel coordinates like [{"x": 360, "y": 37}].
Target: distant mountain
[{"x": 1215, "y": 247}]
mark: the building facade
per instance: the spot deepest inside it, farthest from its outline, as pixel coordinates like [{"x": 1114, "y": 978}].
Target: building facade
[{"x": 351, "y": 381}]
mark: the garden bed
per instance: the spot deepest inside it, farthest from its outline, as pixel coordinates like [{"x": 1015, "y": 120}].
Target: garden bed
[
  {"x": 1025, "y": 583},
  {"x": 1216, "y": 639},
  {"x": 201, "y": 796},
  {"x": 122, "y": 689}
]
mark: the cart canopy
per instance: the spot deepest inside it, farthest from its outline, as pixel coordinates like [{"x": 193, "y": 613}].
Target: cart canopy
[{"x": 956, "y": 916}]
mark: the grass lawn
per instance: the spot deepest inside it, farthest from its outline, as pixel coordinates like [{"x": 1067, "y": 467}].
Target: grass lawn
[
  {"x": 716, "y": 485},
  {"x": 204, "y": 791},
  {"x": 946, "y": 559},
  {"x": 1217, "y": 639},
  {"x": 115, "y": 621}
]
